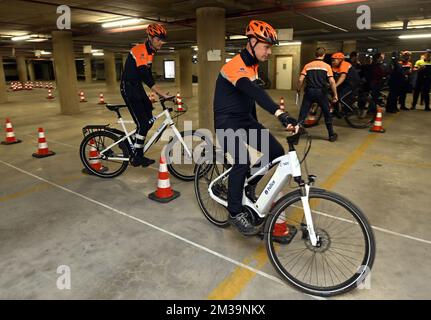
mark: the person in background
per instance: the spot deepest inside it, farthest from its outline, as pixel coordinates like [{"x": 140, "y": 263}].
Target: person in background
[
  {"x": 423, "y": 82},
  {"x": 376, "y": 77},
  {"x": 407, "y": 68},
  {"x": 318, "y": 75},
  {"x": 396, "y": 84}
]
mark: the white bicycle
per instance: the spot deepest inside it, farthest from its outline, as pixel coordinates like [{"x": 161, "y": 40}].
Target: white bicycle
[
  {"x": 332, "y": 249},
  {"x": 112, "y": 149}
]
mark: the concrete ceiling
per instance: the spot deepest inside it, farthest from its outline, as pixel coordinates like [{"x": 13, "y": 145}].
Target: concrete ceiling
[{"x": 311, "y": 20}]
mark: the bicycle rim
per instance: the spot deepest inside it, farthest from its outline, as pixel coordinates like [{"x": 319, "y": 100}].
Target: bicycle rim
[
  {"x": 205, "y": 173},
  {"x": 90, "y": 153},
  {"x": 346, "y": 252}
]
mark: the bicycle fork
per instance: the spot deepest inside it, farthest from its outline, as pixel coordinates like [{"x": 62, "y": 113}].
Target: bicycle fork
[{"x": 305, "y": 192}]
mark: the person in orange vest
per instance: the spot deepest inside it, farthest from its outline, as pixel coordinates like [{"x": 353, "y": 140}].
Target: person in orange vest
[
  {"x": 341, "y": 70},
  {"x": 407, "y": 68},
  {"x": 236, "y": 94},
  {"x": 137, "y": 69},
  {"x": 317, "y": 76}
]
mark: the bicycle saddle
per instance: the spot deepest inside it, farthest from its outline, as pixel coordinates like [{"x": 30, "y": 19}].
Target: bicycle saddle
[{"x": 115, "y": 107}]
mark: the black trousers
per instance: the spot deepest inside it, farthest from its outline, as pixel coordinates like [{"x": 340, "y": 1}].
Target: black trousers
[
  {"x": 140, "y": 108},
  {"x": 244, "y": 130},
  {"x": 423, "y": 87},
  {"x": 395, "y": 93},
  {"x": 320, "y": 96}
]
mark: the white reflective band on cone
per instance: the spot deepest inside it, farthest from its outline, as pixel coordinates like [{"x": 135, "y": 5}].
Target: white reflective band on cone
[
  {"x": 41, "y": 134},
  {"x": 378, "y": 123},
  {"x": 10, "y": 134},
  {"x": 163, "y": 184},
  {"x": 43, "y": 145},
  {"x": 163, "y": 167},
  {"x": 8, "y": 125}
]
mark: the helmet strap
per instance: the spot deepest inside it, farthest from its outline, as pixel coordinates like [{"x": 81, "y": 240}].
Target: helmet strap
[{"x": 252, "y": 47}]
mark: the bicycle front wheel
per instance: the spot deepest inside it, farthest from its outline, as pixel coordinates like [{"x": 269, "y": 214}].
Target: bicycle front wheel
[
  {"x": 344, "y": 254},
  {"x": 180, "y": 164},
  {"x": 361, "y": 115}
]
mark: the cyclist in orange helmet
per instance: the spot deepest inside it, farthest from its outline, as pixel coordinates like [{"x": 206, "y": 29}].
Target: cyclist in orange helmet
[
  {"x": 137, "y": 69},
  {"x": 235, "y": 97}
]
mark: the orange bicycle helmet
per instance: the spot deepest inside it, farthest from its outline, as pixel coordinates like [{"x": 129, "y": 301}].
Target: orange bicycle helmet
[
  {"x": 338, "y": 55},
  {"x": 262, "y": 31},
  {"x": 156, "y": 30}
]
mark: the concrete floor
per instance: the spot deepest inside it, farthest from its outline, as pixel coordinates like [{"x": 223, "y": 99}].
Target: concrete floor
[{"x": 121, "y": 245}]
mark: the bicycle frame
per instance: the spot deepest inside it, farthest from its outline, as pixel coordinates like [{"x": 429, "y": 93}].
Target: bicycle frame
[
  {"x": 288, "y": 165},
  {"x": 167, "y": 122}
]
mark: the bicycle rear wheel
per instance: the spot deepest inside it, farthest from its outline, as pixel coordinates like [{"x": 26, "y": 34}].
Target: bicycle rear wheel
[
  {"x": 90, "y": 153},
  {"x": 180, "y": 165},
  {"x": 205, "y": 173},
  {"x": 345, "y": 252}
]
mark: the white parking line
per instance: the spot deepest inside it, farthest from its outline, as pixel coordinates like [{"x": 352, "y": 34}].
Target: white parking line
[{"x": 261, "y": 273}]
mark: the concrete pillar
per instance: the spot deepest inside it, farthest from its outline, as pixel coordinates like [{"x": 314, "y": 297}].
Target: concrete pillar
[
  {"x": 308, "y": 52},
  {"x": 30, "y": 66},
  {"x": 65, "y": 71},
  {"x": 3, "y": 97},
  {"x": 110, "y": 72},
  {"x": 22, "y": 69},
  {"x": 87, "y": 68},
  {"x": 349, "y": 46},
  {"x": 177, "y": 69},
  {"x": 124, "y": 58},
  {"x": 211, "y": 30},
  {"x": 185, "y": 69}
]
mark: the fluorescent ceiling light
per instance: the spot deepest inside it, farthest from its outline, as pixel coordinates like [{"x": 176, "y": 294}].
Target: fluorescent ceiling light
[
  {"x": 237, "y": 37},
  {"x": 43, "y": 52},
  {"x": 4, "y": 36},
  {"x": 96, "y": 50},
  {"x": 195, "y": 48},
  {"x": 20, "y": 38},
  {"x": 126, "y": 29},
  {"x": 37, "y": 40},
  {"x": 121, "y": 23},
  {"x": 98, "y": 54},
  {"x": 416, "y": 36},
  {"x": 295, "y": 43}
]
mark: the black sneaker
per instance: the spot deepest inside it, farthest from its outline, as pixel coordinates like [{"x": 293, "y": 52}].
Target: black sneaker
[
  {"x": 427, "y": 109},
  {"x": 137, "y": 161},
  {"x": 147, "y": 162},
  {"x": 333, "y": 138},
  {"x": 404, "y": 108},
  {"x": 242, "y": 223}
]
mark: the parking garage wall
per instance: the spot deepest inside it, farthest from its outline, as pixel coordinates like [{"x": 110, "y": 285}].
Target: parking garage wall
[{"x": 295, "y": 53}]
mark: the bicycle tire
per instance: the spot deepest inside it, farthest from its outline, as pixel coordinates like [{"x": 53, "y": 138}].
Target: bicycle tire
[
  {"x": 201, "y": 171},
  {"x": 184, "y": 172},
  {"x": 96, "y": 136},
  {"x": 358, "y": 217}
]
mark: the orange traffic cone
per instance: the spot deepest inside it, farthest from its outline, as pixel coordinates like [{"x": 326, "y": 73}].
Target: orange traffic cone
[
  {"x": 42, "y": 150},
  {"x": 281, "y": 232},
  {"x": 179, "y": 103},
  {"x": 378, "y": 123},
  {"x": 101, "y": 99},
  {"x": 311, "y": 119},
  {"x": 282, "y": 103},
  {"x": 50, "y": 96},
  {"x": 164, "y": 192},
  {"x": 10, "y": 135},
  {"x": 82, "y": 97},
  {"x": 94, "y": 159}
]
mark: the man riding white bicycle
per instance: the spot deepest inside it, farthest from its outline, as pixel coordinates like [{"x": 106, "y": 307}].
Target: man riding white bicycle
[
  {"x": 137, "y": 69},
  {"x": 236, "y": 94}
]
